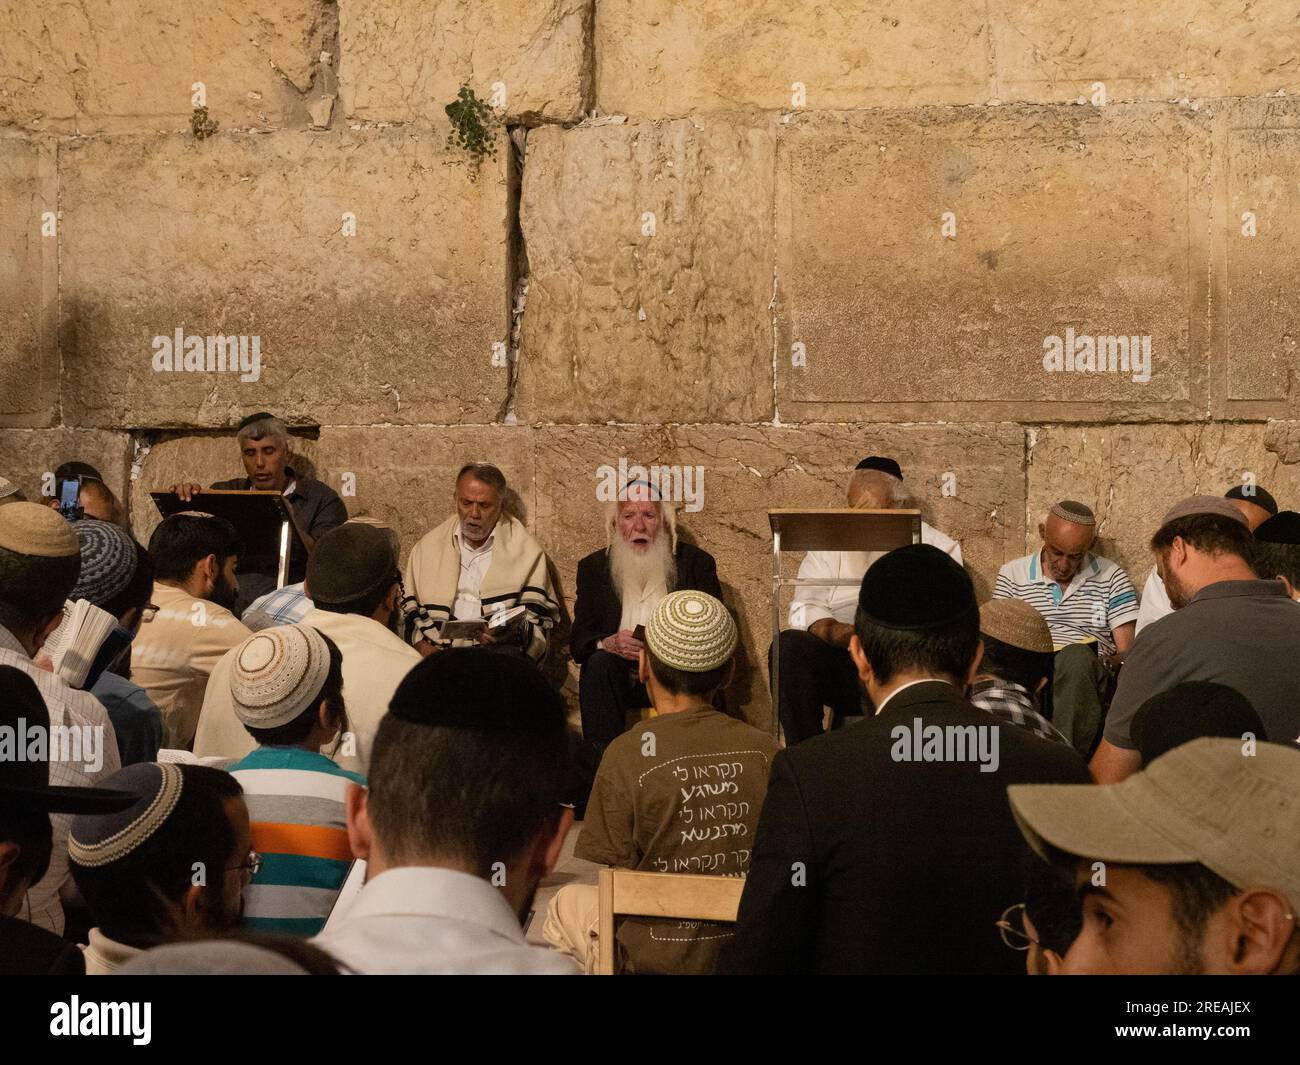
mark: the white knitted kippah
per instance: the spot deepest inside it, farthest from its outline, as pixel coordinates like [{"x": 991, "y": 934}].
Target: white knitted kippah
[
  {"x": 691, "y": 631},
  {"x": 277, "y": 674}
]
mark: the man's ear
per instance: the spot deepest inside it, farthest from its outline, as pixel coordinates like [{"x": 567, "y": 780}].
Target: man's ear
[
  {"x": 46, "y": 627},
  {"x": 549, "y": 846},
  {"x": 394, "y": 597},
  {"x": 209, "y": 570},
  {"x": 1261, "y": 924},
  {"x": 975, "y": 663},
  {"x": 1290, "y": 588},
  {"x": 1042, "y": 683},
  {"x": 1042, "y": 532},
  {"x": 360, "y": 836},
  {"x": 859, "y": 657},
  {"x": 642, "y": 667},
  {"x": 194, "y": 907},
  {"x": 1051, "y": 960}
]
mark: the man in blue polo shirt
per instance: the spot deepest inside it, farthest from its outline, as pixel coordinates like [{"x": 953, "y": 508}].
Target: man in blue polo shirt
[{"x": 1091, "y": 607}]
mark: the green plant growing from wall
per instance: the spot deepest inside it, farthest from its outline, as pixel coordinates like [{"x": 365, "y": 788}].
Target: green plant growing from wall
[
  {"x": 201, "y": 125},
  {"x": 473, "y": 125}
]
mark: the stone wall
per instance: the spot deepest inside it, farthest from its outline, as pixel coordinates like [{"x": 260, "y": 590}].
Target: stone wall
[{"x": 760, "y": 237}]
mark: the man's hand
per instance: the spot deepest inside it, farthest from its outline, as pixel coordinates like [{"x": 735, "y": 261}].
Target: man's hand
[
  {"x": 426, "y": 648},
  {"x": 486, "y": 639},
  {"x": 624, "y": 644},
  {"x": 187, "y": 491},
  {"x": 835, "y": 633}
]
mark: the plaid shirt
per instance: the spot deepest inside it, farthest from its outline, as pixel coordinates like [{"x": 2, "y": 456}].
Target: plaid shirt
[
  {"x": 1012, "y": 703},
  {"x": 284, "y": 606}
]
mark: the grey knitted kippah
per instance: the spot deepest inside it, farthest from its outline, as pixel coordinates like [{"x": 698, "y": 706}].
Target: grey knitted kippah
[
  {"x": 1072, "y": 510},
  {"x": 1215, "y": 505},
  {"x": 99, "y": 839},
  {"x": 691, "y": 631},
  {"x": 277, "y": 674},
  {"x": 108, "y": 560}
]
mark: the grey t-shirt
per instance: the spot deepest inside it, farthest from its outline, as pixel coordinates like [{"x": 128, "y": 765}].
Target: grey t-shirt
[{"x": 1245, "y": 634}]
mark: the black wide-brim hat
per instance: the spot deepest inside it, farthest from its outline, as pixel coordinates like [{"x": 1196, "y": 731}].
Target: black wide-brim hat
[{"x": 24, "y": 784}]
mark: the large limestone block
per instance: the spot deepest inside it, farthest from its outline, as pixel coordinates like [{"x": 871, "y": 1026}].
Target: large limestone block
[
  {"x": 1056, "y": 51},
  {"x": 29, "y": 282},
  {"x": 925, "y": 258},
  {"x": 1132, "y": 474},
  {"x": 201, "y": 460},
  {"x": 650, "y": 255},
  {"x": 746, "y": 471},
  {"x": 405, "y": 61},
  {"x": 245, "y": 236},
  {"x": 660, "y": 57},
  {"x": 131, "y": 64},
  {"x": 29, "y": 457},
  {"x": 1256, "y": 319}
]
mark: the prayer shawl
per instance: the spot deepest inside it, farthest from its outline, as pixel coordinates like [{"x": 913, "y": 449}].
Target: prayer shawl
[{"x": 517, "y": 575}]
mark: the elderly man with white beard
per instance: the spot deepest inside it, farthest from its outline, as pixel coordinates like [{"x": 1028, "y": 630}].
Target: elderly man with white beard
[{"x": 619, "y": 587}]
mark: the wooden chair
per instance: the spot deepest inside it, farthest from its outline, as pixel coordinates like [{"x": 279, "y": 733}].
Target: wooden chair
[{"x": 683, "y": 896}]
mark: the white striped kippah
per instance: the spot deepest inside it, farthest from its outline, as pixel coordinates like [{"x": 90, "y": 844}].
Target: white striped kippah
[
  {"x": 691, "y": 631},
  {"x": 98, "y": 839},
  {"x": 277, "y": 674}
]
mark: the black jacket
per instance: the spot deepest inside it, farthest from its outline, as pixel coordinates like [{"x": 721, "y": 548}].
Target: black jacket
[
  {"x": 597, "y": 612},
  {"x": 907, "y": 865}
]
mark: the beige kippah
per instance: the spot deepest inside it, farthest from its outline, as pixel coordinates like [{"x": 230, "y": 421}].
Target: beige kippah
[
  {"x": 691, "y": 631},
  {"x": 277, "y": 674},
  {"x": 1072, "y": 510},
  {"x": 1017, "y": 624},
  {"x": 1215, "y": 505},
  {"x": 41, "y": 532}
]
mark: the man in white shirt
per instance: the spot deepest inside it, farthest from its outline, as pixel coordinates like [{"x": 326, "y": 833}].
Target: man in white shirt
[
  {"x": 816, "y": 670},
  {"x": 40, "y": 560},
  {"x": 479, "y": 561},
  {"x": 461, "y": 821}
]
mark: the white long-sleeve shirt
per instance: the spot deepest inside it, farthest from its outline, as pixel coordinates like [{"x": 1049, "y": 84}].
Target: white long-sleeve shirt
[
  {"x": 1155, "y": 602},
  {"x": 812, "y": 604}
]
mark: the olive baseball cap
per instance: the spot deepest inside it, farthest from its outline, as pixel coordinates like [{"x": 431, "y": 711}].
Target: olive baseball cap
[{"x": 1209, "y": 801}]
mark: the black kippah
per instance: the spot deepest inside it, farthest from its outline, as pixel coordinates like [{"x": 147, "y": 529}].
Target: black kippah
[
  {"x": 1259, "y": 496},
  {"x": 884, "y": 465},
  {"x": 1190, "y": 710},
  {"x": 474, "y": 688},
  {"x": 259, "y": 416},
  {"x": 917, "y": 587},
  {"x": 1282, "y": 528}
]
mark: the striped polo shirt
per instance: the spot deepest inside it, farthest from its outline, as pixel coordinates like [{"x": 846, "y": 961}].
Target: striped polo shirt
[
  {"x": 296, "y": 803},
  {"x": 1099, "y": 599}
]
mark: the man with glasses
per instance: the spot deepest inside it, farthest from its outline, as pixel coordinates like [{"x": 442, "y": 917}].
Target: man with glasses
[
  {"x": 174, "y": 864},
  {"x": 1091, "y": 607},
  {"x": 1046, "y": 923},
  {"x": 355, "y": 588}
]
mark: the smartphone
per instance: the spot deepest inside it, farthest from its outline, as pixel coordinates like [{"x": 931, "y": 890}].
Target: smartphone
[
  {"x": 639, "y": 633},
  {"x": 70, "y": 499}
]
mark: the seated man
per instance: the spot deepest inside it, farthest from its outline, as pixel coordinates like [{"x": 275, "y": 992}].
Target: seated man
[
  {"x": 618, "y": 589},
  {"x": 356, "y": 590},
  {"x": 478, "y": 561},
  {"x": 315, "y": 507},
  {"x": 40, "y": 560},
  {"x": 816, "y": 670},
  {"x": 26, "y": 837},
  {"x": 287, "y": 687},
  {"x": 1090, "y": 606},
  {"x": 461, "y": 822},
  {"x": 1256, "y": 506},
  {"x": 117, "y": 576},
  {"x": 888, "y": 846},
  {"x": 1184, "y": 889},
  {"x": 1228, "y": 626},
  {"x": 1016, "y": 666},
  {"x": 679, "y": 794},
  {"x": 173, "y": 865},
  {"x": 195, "y": 557}
]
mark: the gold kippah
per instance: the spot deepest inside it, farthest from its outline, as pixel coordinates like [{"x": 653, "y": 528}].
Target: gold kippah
[
  {"x": 41, "y": 532},
  {"x": 1017, "y": 624}
]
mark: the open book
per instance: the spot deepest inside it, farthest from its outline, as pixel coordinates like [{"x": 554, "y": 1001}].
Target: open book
[
  {"x": 501, "y": 623},
  {"x": 85, "y": 643}
]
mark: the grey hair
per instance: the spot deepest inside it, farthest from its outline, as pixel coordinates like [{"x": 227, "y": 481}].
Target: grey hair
[{"x": 262, "y": 428}]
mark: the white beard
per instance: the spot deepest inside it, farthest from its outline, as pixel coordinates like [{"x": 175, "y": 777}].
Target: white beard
[{"x": 641, "y": 579}]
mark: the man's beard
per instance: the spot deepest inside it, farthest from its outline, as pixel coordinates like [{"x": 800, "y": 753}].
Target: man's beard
[
  {"x": 224, "y": 593},
  {"x": 632, "y": 572},
  {"x": 1177, "y": 592}
]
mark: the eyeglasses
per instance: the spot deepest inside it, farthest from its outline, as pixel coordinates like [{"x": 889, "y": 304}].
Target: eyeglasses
[
  {"x": 253, "y": 865},
  {"x": 149, "y": 612},
  {"x": 1012, "y": 927}
]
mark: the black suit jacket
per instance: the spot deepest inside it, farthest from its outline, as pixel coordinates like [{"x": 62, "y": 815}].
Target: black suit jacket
[
  {"x": 907, "y": 864},
  {"x": 598, "y": 610}
]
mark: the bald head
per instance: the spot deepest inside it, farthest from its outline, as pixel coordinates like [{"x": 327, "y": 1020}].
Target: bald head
[
  {"x": 1067, "y": 535},
  {"x": 875, "y": 490}
]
